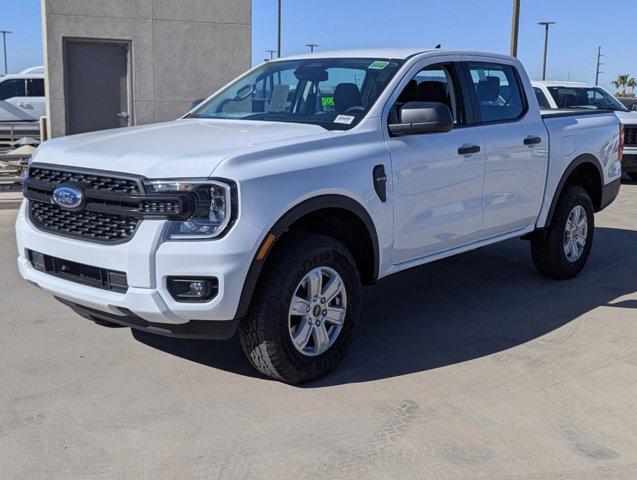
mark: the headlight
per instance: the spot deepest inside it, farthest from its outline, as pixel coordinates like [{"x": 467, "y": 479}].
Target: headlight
[{"x": 213, "y": 209}]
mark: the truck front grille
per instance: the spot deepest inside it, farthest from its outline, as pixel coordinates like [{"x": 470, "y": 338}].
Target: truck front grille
[
  {"x": 96, "y": 182},
  {"x": 630, "y": 136},
  {"x": 113, "y": 207},
  {"x": 96, "y": 226}
]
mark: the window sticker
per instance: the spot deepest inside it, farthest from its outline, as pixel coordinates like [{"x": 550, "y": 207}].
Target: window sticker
[
  {"x": 378, "y": 65},
  {"x": 344, "y": 119},
  {"x": 327, "y": 101}
]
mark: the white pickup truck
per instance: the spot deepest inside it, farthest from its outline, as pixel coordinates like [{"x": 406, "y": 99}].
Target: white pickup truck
[
  {"x": 22, "y": 97},
  {"x": 575, "y": 95},
  {"x": 268, "y": 206}
]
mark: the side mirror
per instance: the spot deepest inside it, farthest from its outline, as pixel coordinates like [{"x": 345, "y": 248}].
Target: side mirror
[
  {"x": 422, "y": 117},
  {"x": 196, "y": 103}
]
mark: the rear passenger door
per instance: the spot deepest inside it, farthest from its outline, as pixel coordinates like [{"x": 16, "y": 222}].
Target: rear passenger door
[
  {"x": 437, "y": 177},
  {"x": 516, "y": 147}
]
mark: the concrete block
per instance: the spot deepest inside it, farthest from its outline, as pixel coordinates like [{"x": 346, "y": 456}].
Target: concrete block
[
  {"x": 111, "y": 8},
  {"x": 220, "y": 11},
  {"x": 198, "y": 58}
]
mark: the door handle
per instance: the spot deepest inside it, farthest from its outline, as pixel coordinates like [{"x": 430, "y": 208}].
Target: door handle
[
  {"x": 123, "y": 115},
  {"x": 467, "y": 149},
  {"x": 532, "y": 140},
  {"x": 24, "y": 105}
]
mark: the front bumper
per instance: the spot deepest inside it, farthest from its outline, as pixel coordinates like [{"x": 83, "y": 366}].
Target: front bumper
[{"x": 147, "y": 261}]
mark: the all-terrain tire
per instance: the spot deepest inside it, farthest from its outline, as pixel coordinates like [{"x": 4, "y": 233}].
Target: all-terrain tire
[
  {"x": 547, "y": 247},
  {"x": 265, "y": 332}
]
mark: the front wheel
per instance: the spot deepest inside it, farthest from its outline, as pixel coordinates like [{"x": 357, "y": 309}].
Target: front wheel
[
  {"x": 633, "y": 176},
  {"x": 306, "y": 308},
  {"x": 562, "y": 250}
]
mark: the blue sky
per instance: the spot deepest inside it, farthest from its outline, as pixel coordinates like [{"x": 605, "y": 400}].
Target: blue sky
[{"x": 465, "y": 24}]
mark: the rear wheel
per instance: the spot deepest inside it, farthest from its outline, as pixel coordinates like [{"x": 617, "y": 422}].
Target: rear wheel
[
  {"x": 306, "y": 308},
  {"x": 562, "y": 250}
]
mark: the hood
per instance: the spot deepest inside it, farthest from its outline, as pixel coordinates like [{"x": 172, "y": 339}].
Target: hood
[
  {"x": 627, "y": 118},
  {"x": 181, "y": 148}
]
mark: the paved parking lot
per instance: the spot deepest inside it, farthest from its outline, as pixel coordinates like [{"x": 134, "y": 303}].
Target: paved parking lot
[{"x": 471, "y": 368}]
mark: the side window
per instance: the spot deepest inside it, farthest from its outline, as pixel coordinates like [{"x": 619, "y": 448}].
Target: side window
[
  {"x": 435, "y": 83},
  {"x": 35, "y": 87},
  {"x": 541, "y": 98},
  {"x": 12, "y": 88},
  {"x": 497, "y": 91}
]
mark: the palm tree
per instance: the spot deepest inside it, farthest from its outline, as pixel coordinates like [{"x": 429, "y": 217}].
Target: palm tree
[
  {"x": 632, "y": 83},
  {"x": 621, "y": 83}
]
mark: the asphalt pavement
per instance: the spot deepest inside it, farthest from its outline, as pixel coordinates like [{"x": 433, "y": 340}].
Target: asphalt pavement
[{"x": 474, "y": 367}]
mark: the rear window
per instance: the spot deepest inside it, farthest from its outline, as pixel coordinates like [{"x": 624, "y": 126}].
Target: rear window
[
  {"x": 35, "y": 87},
  {"x": 498, "y": 92},
  {"x": 590, "y": 98},
  {"x": 14, "y": 87}
]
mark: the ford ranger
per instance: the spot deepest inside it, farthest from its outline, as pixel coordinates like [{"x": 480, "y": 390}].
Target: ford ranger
[{"x": 267, "y": 207}]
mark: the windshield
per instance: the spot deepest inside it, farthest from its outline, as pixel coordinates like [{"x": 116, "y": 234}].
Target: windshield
[
  {"x": 334, "y": 93},
  {"x": 593, "y": 98}
]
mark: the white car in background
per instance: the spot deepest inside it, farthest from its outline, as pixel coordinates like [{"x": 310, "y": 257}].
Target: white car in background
[
  {"x": 22, "y": 96},
  {"x": 553, "y": 95}
]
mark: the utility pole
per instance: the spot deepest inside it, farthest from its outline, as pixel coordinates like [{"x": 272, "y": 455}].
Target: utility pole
[
  {"x": 278, "y": 49},
  {"x": 515, "y": 24},
  {"x": 599, "y": 64},
  {"x": 312, "y": 46},
  {"x": 546, "y": 42},
  {"x": 4, "y": 44}
]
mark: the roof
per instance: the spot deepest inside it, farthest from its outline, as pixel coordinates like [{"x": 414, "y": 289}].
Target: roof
[
  {"x": 554, "y": 83},
  {"x": 395, "y": 53},
  {"x": 399, "y": 53},
  {"x": 38, "y": 70},
  {"x": 33, "y": 72}
]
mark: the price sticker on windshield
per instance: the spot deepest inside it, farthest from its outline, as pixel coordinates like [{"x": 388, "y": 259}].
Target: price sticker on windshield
[{"x": 344, "y": 119}]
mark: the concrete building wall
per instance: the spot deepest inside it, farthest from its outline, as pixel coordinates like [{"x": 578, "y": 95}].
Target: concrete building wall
[{"x": 181, "y": 50}]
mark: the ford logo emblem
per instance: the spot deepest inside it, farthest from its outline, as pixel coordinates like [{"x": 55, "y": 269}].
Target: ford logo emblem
[{"x": 69, "y": 197}]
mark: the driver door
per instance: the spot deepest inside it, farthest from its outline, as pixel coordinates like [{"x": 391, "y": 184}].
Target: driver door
[{"x": 438, "y": 177}]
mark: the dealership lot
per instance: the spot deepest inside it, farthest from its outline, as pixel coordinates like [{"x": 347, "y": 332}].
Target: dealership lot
[{"x": 472, "y": 367}]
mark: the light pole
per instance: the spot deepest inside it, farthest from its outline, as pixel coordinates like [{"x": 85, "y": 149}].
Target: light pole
[
  {"x": 4, "y": 44},
  {"x": 546, "y": 42},
  {"x": 312, "y": 46},
  {"x": 278, "y": 48},
  {"x": 515, "y": 23}
]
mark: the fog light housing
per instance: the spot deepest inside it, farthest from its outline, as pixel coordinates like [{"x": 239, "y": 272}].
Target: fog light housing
[
  {"x": 37, "y": 260},
  {"x": 193, "y": 289}
]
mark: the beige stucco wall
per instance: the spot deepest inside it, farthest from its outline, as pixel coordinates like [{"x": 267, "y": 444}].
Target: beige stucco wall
[{"x": 181, "y": 49}]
